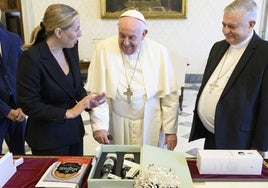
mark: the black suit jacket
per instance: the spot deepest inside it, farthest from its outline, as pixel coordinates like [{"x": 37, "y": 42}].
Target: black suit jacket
[
  {"x": 241, "y": 117},
  {"x": 45, "y": 95}
]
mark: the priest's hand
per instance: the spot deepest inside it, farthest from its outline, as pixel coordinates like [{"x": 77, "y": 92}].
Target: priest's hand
[
  {"x": 101, "y": 136},
  {"x": 171, "y": 141}
]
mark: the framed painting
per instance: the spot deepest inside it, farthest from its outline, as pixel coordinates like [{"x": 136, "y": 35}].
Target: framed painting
[{"x": 151, "y": 9}]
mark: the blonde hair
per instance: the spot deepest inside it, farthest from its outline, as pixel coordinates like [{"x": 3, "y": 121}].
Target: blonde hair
[
  {"x": 32, "y": 38},
  {"x": 56, "y": 16}
]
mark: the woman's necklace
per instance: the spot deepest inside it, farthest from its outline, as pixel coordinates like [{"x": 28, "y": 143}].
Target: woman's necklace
[{"x": 129, "y": 91}]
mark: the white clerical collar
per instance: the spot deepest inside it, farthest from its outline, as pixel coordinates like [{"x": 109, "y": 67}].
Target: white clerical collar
[{"x": 243, "y": 43}]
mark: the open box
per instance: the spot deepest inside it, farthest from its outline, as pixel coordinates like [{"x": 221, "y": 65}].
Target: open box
[{"x": 144, "y": 155}]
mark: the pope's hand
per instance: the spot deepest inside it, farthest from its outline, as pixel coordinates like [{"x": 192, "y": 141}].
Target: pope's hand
[
  {"x": 101, "y": 136},
  {"x": 171, "y": 141}
]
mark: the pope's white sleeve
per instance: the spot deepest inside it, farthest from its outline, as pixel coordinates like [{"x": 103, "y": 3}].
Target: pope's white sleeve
[
  {"x": 169, "y": 105},
  {"x": 99, "y": 117}
]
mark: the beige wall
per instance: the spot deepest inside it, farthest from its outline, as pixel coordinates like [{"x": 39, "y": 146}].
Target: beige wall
[{"x": 191, "y": 37}]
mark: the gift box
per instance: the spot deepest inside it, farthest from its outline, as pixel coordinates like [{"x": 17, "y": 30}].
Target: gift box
[
  {"x": 163, "y": 163},
  {"x": 231, "y": 162}
]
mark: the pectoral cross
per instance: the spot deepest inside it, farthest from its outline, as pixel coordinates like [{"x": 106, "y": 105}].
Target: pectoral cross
[
  {"x": 128, "y": 93},
  {"x": 213, "y": 86}
]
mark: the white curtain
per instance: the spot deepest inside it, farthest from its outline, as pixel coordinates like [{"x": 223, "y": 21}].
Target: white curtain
[
  {"x": 27, "y": 16},
  {"x": 33, "y": 11},
  {"x": 264, "y": 20}
]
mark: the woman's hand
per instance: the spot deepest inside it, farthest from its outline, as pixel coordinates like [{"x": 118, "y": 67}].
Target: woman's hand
[
  {"x": 90, "y": 101},
  {"x": 96, "y": 99}
]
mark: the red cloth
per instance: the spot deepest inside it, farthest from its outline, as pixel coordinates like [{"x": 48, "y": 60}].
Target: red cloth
[
  {"x": 32, "y": 169},
  {"x": 30, "y": 172},
  {"x": 212, "y": 177}
]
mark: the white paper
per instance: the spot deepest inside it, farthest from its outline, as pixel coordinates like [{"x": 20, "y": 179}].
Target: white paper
[
  {"x": 18, "y": 161},
  {"x": 7, "y": 168}
]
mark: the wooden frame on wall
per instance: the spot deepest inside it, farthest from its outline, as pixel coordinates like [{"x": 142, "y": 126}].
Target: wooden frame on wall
[{"x": 152, "y": 9}]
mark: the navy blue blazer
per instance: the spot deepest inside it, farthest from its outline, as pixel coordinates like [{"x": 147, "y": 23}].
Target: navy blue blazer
[
  {"x": 11, "y": 50},
  {"x": 45, "y": 95},
  {"x": 241, "y": 120}
]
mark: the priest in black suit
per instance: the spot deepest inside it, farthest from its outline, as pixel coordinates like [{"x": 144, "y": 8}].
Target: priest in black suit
[{"x": 232, "y": 103}]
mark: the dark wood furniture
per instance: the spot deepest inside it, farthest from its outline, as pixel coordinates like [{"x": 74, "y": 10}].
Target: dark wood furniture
[
  {"x": 83, "y": 69},
  {"x": 11, "y": 16}
]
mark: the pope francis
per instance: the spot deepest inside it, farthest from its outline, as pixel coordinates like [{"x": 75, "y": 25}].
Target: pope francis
[{"x": 138, "y": 78}]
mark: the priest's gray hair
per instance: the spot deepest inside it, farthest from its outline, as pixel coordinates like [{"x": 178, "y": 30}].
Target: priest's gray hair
[{"x": 248, "y": 7}]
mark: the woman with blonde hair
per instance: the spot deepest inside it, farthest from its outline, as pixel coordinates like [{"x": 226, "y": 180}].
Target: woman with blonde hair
[{"x": 50, "y": 88}]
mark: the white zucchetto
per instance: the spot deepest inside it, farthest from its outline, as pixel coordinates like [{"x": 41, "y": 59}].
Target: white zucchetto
[{"x": 134, "y": 14}]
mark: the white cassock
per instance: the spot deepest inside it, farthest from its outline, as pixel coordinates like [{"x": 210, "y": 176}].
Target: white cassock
[{"x": 153, "y": 109}]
